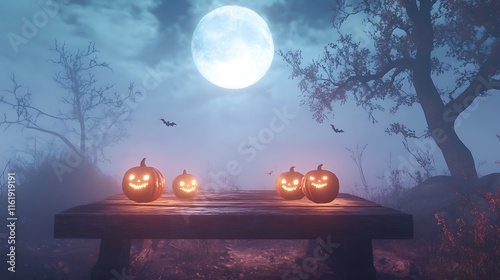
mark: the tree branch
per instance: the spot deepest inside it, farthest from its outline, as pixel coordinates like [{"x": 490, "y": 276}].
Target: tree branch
[
  {"x": 357, "y": 158},
  {"x": 64, "y": 139},
  {"x": 400, "y": 65},
  {"x": 23, "y": 102},
  {"x": 477, "y": 87},
  {"x": 411, "y": 9}
]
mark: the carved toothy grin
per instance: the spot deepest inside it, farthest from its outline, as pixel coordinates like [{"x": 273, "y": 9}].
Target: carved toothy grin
[
  {"x": 137, "y": 187},
  {"x": 188, "y": 189},
  {"x": 318, "y": 185},
  {"x": 286, "y": 186},
  {"x": 289, "y": 189}
]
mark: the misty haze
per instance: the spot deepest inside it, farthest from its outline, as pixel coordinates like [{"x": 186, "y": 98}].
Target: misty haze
[{"x": 127, "y": 107}]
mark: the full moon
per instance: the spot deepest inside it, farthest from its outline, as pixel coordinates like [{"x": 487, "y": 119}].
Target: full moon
[{"x": 232, "y": 47}]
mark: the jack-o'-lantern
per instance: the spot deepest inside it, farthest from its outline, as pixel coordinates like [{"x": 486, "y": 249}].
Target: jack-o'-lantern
[
  {"x": 143, "y": 183},
  {"x": 320, "y": 186},
  {"x": 185, "y": 185},
  {"x": 288, "y": 184}
]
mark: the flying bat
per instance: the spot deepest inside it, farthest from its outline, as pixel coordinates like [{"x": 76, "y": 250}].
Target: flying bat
[
  {"x": 270, "y": 173},
  {"x": 336, "y": 130},
  {"x": 168, "y": 123}
]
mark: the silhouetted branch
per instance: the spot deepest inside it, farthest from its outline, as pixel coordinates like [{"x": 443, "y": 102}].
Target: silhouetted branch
[
  {"x": 60, "y": 136},
  {"x": 22, "y": 103},
  {"x": 397, "y": 128},
  {"x": 481, "y": 83},
  {"x": 398, "y": 66},
  {"x": 357, "y": 158},
  {"x": 424, "y": 159}
]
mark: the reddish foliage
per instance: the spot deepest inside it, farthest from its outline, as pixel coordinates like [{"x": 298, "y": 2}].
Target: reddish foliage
[{"x": 470, "y": 244}]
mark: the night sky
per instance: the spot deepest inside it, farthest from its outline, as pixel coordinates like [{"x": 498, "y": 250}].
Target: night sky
[{"x": 152, "y": 39}]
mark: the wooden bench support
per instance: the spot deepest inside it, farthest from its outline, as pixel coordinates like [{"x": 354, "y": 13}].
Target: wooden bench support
[
  {"x": 359, "y": 259},
  {"x": 352, "y": 260},
  {"x": 113, "y": 260}
]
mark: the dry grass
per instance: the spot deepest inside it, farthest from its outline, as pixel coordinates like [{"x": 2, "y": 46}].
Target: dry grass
[
  {"x": 200, "y": 250},
  {"x": 468, "y": 248}
]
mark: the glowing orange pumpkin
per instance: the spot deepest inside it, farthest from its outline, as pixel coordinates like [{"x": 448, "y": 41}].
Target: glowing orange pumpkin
[
  {"x": 143, "y": 183},
  {"x": 288, "y": 184},
  {"x": 320, "y": 186},
  {"x": 185, "y": 185}
]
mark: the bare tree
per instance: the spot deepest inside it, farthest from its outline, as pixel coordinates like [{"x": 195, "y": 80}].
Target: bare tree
[
  {"x": 414, "y": 43},
  {"x": 357, "y": 157},
  {"x": 91, "y": 117},
  {"x": 424, "y": 159},
  {"x": 3, "y": 178}
]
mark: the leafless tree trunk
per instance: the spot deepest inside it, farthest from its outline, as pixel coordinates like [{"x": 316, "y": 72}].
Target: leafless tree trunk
[{"x": 95, "y": 114}]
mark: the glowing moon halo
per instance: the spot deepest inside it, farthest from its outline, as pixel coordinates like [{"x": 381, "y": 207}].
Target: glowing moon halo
[{"x": 232, "y": 47}]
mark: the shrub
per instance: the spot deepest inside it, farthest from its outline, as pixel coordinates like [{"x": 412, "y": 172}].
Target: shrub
[
  {"x": 40, "y": 195},
  {"x": 470, "y": 247}
]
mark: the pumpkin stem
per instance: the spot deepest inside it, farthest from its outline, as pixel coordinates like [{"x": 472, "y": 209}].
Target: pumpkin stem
[
  {"x": 319, "y": 167},
  {"x": 184, "y": 172},
  {"x": 143, "y": 162},
  {"x": 291, "y": 169}
]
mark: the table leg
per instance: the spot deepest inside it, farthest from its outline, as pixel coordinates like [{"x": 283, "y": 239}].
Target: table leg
[
  {"x": 113, "y": 260},
  {"x": 358, "y": 256}
]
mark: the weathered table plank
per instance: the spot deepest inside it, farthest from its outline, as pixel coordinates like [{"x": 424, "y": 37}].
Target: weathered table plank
[
  {"x": 256, "y": 198},
  {"x": 234, "y": 215}
]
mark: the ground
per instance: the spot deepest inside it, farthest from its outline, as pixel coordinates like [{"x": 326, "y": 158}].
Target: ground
[{"x": 58, "y": 259}]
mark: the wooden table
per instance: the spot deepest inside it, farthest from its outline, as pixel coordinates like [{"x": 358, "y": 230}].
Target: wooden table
[{"x": 259, "y": 214}]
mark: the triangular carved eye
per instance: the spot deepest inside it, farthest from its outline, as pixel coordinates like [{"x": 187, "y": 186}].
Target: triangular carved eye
[
  {"x": 131, "y": 177},
  {"x": 182, "y": 184},
  {"x": 295, "y": 182},
  {"x": 193, "y": 182},
  {"x": 324, "y": 177},
  {"x": 146, "y": 177},
  {"x": 311, "y": 178},
  {"x": 283, "y": 181}
]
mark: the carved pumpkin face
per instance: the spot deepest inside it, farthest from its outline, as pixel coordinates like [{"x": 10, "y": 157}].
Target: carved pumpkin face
[
  {"x": 143, "y": 183},
  {"x": 185, "y": 185},
  {"x": 288, "y": 185},
  {"x": 320, "y": 186}
]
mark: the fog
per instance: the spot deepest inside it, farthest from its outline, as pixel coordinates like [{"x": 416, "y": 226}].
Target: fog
[{"x": 240, "y": 135}]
